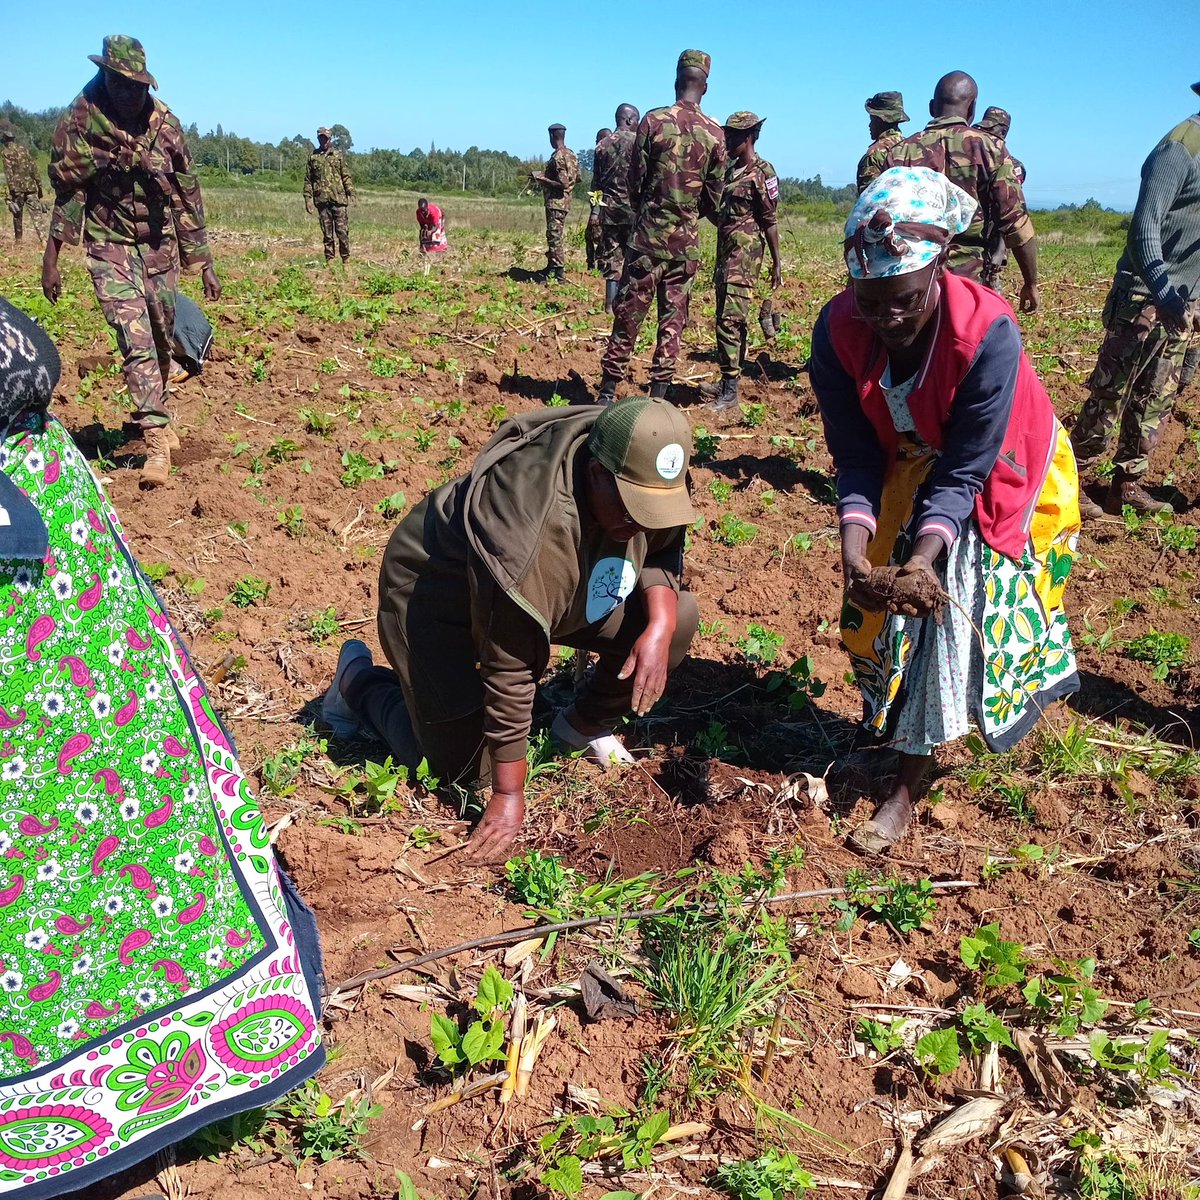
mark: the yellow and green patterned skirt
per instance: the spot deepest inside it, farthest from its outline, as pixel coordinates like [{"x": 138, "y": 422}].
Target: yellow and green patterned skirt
[{"x": 1003, "y": 650}]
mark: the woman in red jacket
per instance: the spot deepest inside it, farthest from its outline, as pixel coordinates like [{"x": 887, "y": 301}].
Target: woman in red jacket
[{"x": 953, "y": 468}]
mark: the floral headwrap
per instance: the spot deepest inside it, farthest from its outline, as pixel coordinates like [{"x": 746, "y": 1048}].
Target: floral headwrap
[{"x": 903, "y": 221}]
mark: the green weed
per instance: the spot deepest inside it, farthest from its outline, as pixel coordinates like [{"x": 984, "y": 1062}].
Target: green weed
[
  {"x": 248, "y": 591},
  {"x": 772, "y": 1176},
  {"x": 731, "y": 530},
  {"x": 1166, "y": 651}
]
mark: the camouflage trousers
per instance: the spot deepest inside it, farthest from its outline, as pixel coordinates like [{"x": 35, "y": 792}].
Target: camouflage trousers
[
  {"x": 593, "y": 238},
  {"x": 1133, "y": 385},
  {"x": 668, "y": 280},
  {"x": 335, "y": 222},
  {"x": 18, "y": 206},
  {"x": 737, "y": 281},
  {"x": 556, "y": 238},
  {"x": 140, "y": 306},
  {"x": 614, "y": 239}
]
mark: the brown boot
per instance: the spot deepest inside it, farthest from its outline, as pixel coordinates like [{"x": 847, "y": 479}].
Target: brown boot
[
  {"x": 172, "y": 438},
  {"x": 1089, "y": 510},
  {"x": 1131, "y": 492},
  {"x": 157, "y": 468}
]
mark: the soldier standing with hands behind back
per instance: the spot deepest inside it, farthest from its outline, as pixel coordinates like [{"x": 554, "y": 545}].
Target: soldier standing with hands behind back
[
  {"x": 745, "y": 221},
  {"x": 328, "y": 185},
  {"x": 123, "y": 180},
  {"x": 557, "y": 182},
  {"x": 593, "y": 233},
  {"x": 21, "y": 181},
  {"x": 611, "y": 177}
]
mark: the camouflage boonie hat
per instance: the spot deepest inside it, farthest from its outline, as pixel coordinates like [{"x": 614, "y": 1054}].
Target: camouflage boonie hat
[
  {"x": 126, "y": 56},
  {"x": 695, "y": 58},
  {"x": 744, "y": 120},
  {"x": 324, "y": 131},
  {"x": 6, "y": 130},
  {"x": 887, "y": 106},
  {"x": 996, "y": 120}
]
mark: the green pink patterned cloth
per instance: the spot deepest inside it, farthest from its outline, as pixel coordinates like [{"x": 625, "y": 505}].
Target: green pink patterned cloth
[{"x": 156, "y": 969}]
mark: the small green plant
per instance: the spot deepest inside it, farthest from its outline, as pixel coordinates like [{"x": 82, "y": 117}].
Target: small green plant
[
  {"x": 1166, "y": 651},
  {"x": 357, "y": 468},
  {"x": 800, "y": 683},
  {"x": 156, "y": 572},
  {"x": 328, "y": 366},
  {"x": 291, "y": 520},
  {"x": 1180, "y": 538},
  {"x": 938, "y": 1051},
  {"x": 905, "y": 906},
  {"x": 392, "y": 506},
  {"x": 733, "y": 531},
  {"x": 424, "y": 438},
  {"x": 1066, "y": 1000},
  {"x": 760, "y": 645},
  {"x": 883, "y": 1039},
  {"x": 565, "y": 1178},
  {"x": 753, "y": 415},
  {"x": 281, "y": 770},
  {"x": 323, "y": 625},
  {"x": 315, "y": 421},
  {"x": 773, "y": 1176},
  {"x": 482, "y": 1040},
  {"x": 1193, "y": 939},
  {"x": 541, "y": 880},
  {"x": 1002, "y": 963},
  {"x": 721, "y": 491},
  {"x": 283, "y": 450},
  {"x": 1148, "y": 1062},
  {"x": 383, "y": 366},
  {"x": 321, "y": 1129},
  {"x": 982, "y": 1028},
  {"x": 248, "y": 591},
  {"x": 713, "y": 742},
  {"x": 704, "y": 445},
  {"x": 557, "y": 401}
]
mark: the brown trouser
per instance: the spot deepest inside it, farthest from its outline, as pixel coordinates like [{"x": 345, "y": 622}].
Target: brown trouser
[{"x": 391, "y": 703}]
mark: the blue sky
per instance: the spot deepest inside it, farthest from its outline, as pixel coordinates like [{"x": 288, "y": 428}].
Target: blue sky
[{"x": 1092, "y": 84}]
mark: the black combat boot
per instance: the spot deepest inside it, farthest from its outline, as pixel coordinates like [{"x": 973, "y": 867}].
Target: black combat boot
[
  {"x": 608, "y": 390},
  {"x": 727, "y": 397},
  {"x": 558, "y": 274},
  {"x": 659, "y": 390}
]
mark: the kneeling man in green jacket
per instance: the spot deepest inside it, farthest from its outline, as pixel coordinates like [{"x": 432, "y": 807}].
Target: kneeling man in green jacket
[{"x": 568, "y": 531}]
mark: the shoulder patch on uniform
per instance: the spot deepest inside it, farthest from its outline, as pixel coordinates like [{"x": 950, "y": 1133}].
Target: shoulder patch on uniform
[
  {"x": 1187, "y": 133},
  {"x": 773, "y": 187}
]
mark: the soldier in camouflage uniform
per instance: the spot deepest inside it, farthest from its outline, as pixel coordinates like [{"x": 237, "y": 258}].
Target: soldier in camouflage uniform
[
  {"x": 1150, "y": 318},
  {"x": 123, "y": 181},
  {"x": 557, "y": 182},
  {"x": 593, "y": 235},
  {"x": 24, "y": 187},
  {"x": 886, "y": 110},
  {"x": 984, "y": 170},
  {"x": 997, "y": 122},
  {"x": 611, "y": 176},
  {"x": 327, "y": 184},
  {"x": 677, "y": 175},
  {"x": 745, "y": 220}
]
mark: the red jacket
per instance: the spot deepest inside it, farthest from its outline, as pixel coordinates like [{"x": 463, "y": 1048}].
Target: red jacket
[{"x": 1004, "y": 506}]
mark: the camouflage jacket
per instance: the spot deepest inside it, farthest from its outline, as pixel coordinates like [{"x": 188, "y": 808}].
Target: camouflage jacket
[
  {"x": 982, "y": 168},
  {"x": 610, "y": 175},
  {"x": 326, "y": 178},
  {"x": 126, "y": 187},
  {"x": 20, "y": 173},
  {"x": 871, "y": 165},
  {"x": 562, "y": 170},
  {"x": 676, "y": 176},
  {"x": 748, "y": 204}
]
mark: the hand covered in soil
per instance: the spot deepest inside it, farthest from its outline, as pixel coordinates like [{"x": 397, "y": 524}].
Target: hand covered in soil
[
  {"x": 860, "y": 585},
  {"x": 498, "y": 829},
  {"x": 918, "y": 591},
  {"x": 647, "y": 663}
]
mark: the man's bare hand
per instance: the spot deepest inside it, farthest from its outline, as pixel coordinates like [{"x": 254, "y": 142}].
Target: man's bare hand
[
  {"x": 51, "y": 282},
  {"x": 498, "y": 829},
  {"x": 647, "y": 663},
  {"x": 212, "y": 285},
  {"x": 1031, "y": 298}
]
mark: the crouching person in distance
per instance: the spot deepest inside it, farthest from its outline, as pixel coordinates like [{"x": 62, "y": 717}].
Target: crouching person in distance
[{"x": 568, "y": 530}]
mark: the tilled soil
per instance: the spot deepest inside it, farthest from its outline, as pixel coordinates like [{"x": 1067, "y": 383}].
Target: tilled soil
[{"x": 1116, "y": 845}]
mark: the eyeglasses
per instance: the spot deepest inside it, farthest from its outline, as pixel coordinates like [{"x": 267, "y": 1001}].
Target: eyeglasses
[{"x": 892, "y": 311}]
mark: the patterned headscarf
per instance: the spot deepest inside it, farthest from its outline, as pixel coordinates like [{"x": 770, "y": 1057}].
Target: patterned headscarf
[{"x": 903, "y": 221}]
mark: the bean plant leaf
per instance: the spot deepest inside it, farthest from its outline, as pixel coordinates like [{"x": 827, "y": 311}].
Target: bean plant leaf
[
  {"x": 652, "y": 1129},
  {"x": 446, "y": 1038},
  {"x": 495, "y": 993},
  {"x": 565, "y": 1177},
  {"x": 938, "y": 1051},
  {"x": 483, "y": 1040}
]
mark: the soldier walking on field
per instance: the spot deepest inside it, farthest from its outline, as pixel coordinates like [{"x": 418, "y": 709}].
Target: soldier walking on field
[
  {"x": 745, "y": 220},
  {"x": 996, "y": 122},
  {"x": 123, "y": 180},
  {"x": 677, "y": 176},
  {"x": 557, "y": 182},
  {"x": 328, "y": 185},
  {"x": 593, "y": 233},
  {"x": 611, "y": 177},
  {"x": 21, "y": 181},
  {"x": 982, "y": 168},
  {"x": 886, "y": 110},
  {"x": 1149, "y": 319}
]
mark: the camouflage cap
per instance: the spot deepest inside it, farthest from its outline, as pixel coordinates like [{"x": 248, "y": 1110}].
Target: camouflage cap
[
  {"x": 887, "y": 106},
  {"x": 996, "y": 120},
  {"x": 695, "y": 58},
  {"x": 744, "y": 120},
  {"x": 126, "y": 56},
  {"x": 6, "y": 130},
  {"x": 324, "y": 131}
]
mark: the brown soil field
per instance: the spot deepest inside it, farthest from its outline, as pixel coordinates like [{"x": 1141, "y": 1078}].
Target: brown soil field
[{"x": 1082, "y": 844}]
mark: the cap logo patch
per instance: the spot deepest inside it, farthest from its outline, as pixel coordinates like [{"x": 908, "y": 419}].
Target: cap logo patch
[{"x": 670, "y": 461}]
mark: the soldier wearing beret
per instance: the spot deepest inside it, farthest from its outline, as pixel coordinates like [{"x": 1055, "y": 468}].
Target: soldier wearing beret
[
  {"x": 677, "y": 175},
  {"x": 557, "y": 182},
  {"x": 327, "y": 184},
  {"x": 123, "y": 181},
  {"x": 21, "y": 181},
  {"x": 886, "y": 110},
  {"x": 745, "y": 221}
]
